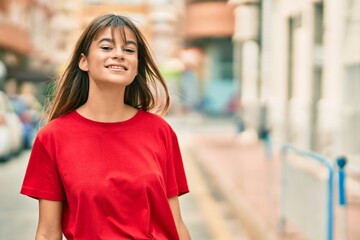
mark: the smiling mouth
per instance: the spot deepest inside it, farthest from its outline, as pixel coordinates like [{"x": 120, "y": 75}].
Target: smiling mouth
[{"x": 117, "y": 67}]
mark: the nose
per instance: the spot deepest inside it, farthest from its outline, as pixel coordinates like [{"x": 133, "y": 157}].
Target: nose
[{"x": 118, "y": 53}]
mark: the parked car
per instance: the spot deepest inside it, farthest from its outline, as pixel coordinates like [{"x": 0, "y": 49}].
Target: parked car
[
  {"x": 29, "y": 117},
  {"x": 5, "y": 136},
  {"x": 11, "y": 129}
]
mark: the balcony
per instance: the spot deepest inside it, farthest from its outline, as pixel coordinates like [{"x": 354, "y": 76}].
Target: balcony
[
  {"x": 209, "y": 19},
  {"x": 15, "y": 39}
]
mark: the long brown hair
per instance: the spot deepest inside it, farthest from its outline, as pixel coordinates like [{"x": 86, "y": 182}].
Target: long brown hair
[{"x": 72, "y": 87}]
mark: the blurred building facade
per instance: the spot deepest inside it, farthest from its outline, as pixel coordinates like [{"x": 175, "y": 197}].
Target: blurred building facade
[
  {"x": 33, "y": 36},
  {"x": 37, "y": 36},
  {"x": 302, "y": 58},
  {"x": 208, "y": 30},
  {"x": 16, "y": 43}
]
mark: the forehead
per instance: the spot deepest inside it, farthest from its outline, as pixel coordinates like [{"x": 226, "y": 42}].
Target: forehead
[{"x": 122, "y": 32}]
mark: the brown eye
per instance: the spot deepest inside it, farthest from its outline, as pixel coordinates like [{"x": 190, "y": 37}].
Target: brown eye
[
  {"x": 106, "y": 48},
  {"x": 129, "y": 50}
]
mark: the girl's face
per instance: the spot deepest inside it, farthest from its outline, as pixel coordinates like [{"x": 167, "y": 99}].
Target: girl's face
[{"x": 110, "y": 59}]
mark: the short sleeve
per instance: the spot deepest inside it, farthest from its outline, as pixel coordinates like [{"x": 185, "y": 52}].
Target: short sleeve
[
  {"x": 176, "y": 177},
  {"x": 42, "y": 179}
]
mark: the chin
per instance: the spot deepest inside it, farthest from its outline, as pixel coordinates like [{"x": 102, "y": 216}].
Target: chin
[{"x": 120, "y": 83}]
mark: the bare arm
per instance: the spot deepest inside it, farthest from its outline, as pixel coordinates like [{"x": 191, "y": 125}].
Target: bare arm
[
  {"x": 49, "y": 226},
  {"x": 180, "y": 225}
]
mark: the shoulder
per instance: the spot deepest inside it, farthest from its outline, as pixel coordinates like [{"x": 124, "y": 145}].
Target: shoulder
[
  {"x": 157, "y": 123},
  {"x": 55, "y": 126},
  {"x": 154, "y": 119}
]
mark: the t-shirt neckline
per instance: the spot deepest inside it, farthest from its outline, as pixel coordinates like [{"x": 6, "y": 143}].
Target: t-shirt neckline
[{"x": 77, "y": 116}]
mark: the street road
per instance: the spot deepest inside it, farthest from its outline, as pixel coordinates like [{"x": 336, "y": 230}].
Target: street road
[{"x": 18, "y": 216}]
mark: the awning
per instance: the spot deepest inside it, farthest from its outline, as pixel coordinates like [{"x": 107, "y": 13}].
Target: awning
[
  {"x": 29, "y": 75},
  {"x": 14, "y": 38},
  {"x": 209, "y": 19}
]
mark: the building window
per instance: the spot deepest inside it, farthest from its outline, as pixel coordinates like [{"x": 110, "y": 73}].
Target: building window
[
  {"x": 352, "y": 85},
  {"x": 93, "y": 2},
  {"x": 128, "y": 2}
]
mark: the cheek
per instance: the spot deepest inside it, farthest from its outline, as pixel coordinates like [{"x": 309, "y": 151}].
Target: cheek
[{"x": 136, "y": 67}]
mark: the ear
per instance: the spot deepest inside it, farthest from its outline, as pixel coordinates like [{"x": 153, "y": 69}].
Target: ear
[{"x": 83, "y": 64}]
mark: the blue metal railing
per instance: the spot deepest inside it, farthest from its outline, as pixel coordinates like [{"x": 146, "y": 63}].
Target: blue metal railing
[
  {"x": 341, "y": 162},
  {"x": 330, "y": 198}
]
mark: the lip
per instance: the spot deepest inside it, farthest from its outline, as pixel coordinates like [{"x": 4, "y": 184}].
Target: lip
[{"x": 117, "y": 67}]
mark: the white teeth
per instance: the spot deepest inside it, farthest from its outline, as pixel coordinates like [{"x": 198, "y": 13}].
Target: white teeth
[{"x": 117, "y": 67}]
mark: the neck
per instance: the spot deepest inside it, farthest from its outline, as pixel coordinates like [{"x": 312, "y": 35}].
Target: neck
[{"x": 106, "y": 106}]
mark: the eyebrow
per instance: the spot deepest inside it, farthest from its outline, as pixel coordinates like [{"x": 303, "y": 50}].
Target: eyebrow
[{"x": 128, "y": 42}]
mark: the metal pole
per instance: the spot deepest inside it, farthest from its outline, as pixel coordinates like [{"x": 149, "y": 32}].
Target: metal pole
[
  {"x": 282, "y": 222},
  {"x": 341, "y": 162}
]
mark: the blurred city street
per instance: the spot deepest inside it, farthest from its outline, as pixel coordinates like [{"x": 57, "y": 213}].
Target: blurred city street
[
  {"x": 18, "y": 218},
  {"x": 265, "y": 101}
]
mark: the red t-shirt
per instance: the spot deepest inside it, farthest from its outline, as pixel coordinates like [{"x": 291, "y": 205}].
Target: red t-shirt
[{"x": 114, "y": 178}]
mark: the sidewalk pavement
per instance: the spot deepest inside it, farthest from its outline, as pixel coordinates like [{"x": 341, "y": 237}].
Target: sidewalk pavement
[{"x": 251, "y": 184}]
